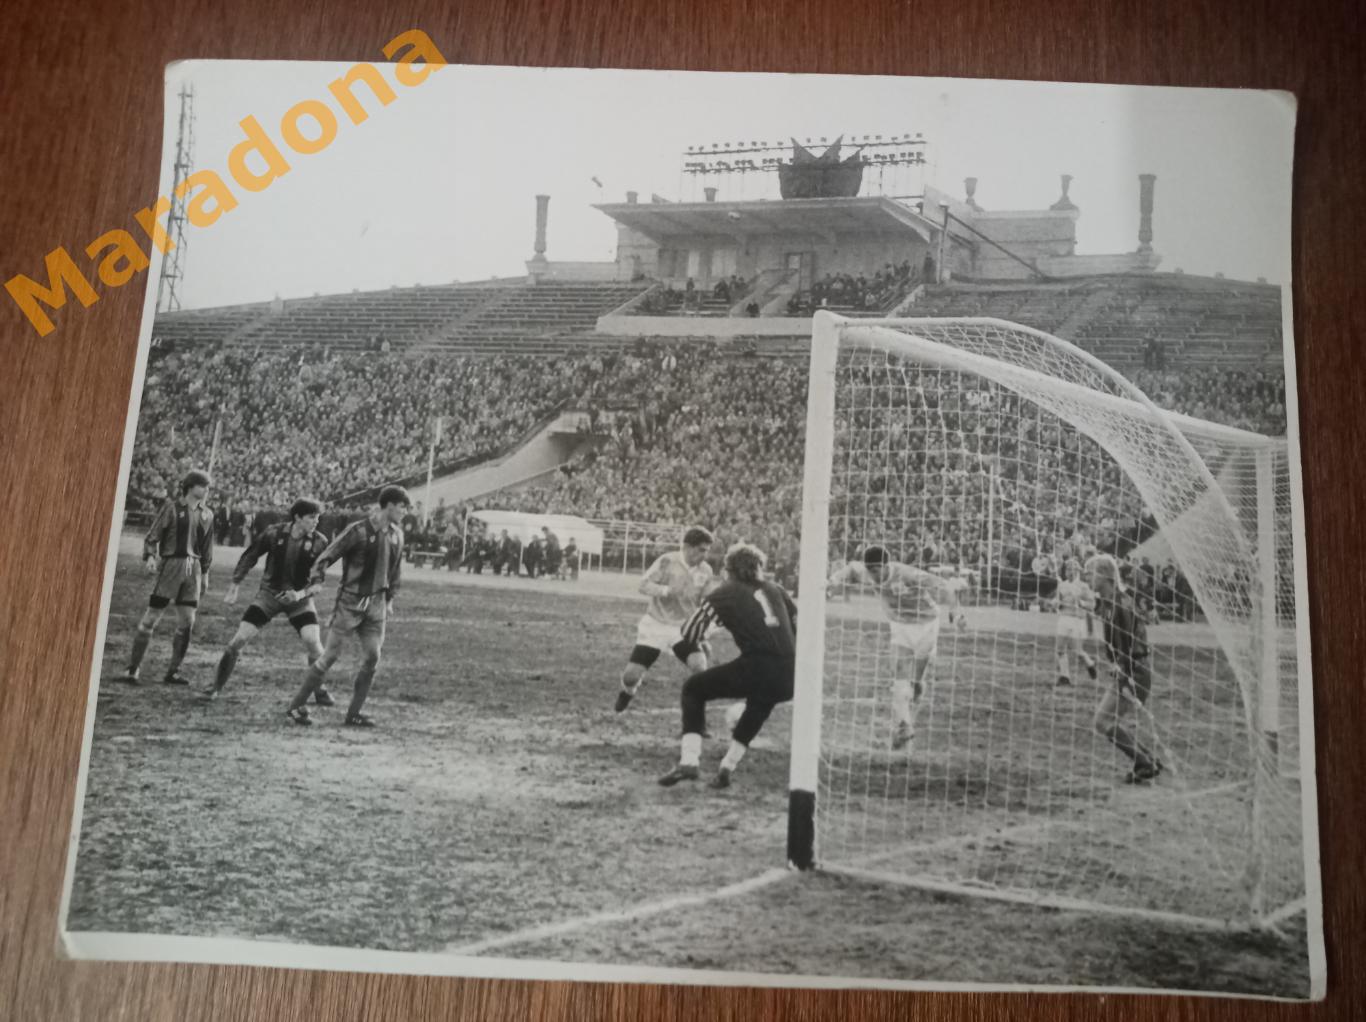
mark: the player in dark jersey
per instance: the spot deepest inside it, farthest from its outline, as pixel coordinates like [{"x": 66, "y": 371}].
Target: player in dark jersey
[
  {"x": 263, "y": 520},
  {"x": 1126, "y": 645},
  {"x": 289, "y": 549},
  {"x": 179, "y": 552},
  {"x": 761, "y": 619},
  {"x": 371, "y": 552}
]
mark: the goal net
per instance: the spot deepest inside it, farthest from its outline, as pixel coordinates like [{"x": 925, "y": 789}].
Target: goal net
[{"x": 993, "y": 455}]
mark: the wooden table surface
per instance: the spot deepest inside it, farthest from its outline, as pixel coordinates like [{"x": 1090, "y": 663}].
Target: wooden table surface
[{"x": 82, "y": 103}]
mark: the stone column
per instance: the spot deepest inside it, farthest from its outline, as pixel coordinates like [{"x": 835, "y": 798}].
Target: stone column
[
  {"x": 1064, "y": 203},
  {"x": 542, "y": 206},
  {"x": 1145, "y": 211}
]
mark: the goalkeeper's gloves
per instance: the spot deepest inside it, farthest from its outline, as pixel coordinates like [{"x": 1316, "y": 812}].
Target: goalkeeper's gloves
[{"x": 150, "y": 565}]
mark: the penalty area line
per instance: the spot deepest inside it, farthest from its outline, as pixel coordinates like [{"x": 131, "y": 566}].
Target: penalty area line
[{"x": 629, "y": 914}]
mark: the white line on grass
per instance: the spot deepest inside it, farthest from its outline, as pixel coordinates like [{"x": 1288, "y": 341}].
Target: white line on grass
[{"x": 641, "y": 911}]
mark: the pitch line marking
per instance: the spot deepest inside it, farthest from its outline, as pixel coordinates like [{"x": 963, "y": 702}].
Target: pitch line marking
[
  {"x": 1053, "y": 901},
  {"x": 1021, "y": 831},
  {"x": 1286, "y": 911},
  {"x": 634, "y": 912}
]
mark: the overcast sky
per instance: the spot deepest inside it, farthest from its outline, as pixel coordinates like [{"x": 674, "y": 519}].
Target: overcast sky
[{"x": 440, "y": 184}]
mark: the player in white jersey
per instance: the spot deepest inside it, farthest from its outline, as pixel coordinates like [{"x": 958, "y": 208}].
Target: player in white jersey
[
  {"x": 1076, "y": 601},
  {"x": 912, "y": 600},
  {"x": 675, "y": 584}
]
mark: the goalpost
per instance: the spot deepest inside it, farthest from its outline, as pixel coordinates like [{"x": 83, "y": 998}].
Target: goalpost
[{"x": 997, "y": 443}]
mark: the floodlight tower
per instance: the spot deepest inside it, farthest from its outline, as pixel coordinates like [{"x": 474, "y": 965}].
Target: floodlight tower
[{"x": 173, "y": 264}]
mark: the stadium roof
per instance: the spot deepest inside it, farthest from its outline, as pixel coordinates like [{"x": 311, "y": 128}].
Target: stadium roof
[{"x": 666, "y": 222}]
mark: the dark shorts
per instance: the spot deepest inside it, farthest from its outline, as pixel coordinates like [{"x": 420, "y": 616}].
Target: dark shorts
[
  {"x": 762, "y": 681},
  {"x": 178, "y": 581},
  {"x": 267, "y": 605}
]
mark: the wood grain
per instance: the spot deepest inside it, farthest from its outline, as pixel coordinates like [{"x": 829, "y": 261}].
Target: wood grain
[{"x": 81, "y": 92}]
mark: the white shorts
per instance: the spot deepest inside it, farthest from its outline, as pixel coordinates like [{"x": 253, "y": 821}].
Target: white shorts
[
  {"x": 921, "y": 638},
  {"x": 1070, "y": 627},
  {"x": 657, "y": 635}
]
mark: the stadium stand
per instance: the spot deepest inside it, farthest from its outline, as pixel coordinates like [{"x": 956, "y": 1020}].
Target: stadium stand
[
  {"x": 861, "y": 295},
  {"x": 667, "y": 300},
  {"x": 1198, "y": 320},
  {"x": 483, "y": 318},
  {"x": 334, "y": 395}
]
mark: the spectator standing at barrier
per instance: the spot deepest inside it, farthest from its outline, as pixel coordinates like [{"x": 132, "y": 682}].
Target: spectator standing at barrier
[
  {"x": 412, "y": 528},
  {"x": 533, "y": 557},
  {"x": 450, "y": 540},
  {"x": 221, "y": 518},
  {"x": 485, "y": 550},
  {"x": 237, "y": 527},
  {"x": 1185, "y": 597},
  {"x": 554, "y": 556},
  {"x": 502, "y": 553}
]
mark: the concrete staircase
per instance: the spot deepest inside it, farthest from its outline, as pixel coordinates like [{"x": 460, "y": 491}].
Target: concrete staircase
[{"x": 554, "y": 445}]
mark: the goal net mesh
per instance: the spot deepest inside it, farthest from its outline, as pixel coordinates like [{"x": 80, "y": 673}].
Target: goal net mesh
[{"x": 993, "y": 455}]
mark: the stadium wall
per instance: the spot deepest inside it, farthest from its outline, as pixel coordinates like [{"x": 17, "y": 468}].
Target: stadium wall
[
  {"x": 717, "y": 327},
  {"x": 571, "y": 272}
]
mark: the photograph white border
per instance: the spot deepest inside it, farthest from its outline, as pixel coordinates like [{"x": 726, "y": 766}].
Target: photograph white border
[{"x": 140, "y": 947}]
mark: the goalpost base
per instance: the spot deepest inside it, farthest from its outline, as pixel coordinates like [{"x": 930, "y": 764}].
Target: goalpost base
[{"x": 801, "y": 829}]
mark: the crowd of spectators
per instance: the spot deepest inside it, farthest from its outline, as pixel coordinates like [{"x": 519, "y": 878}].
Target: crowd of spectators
[
  {"x": 704, "y": 438},
  {"x": 669, "y": 300},
  {"x": 295, "y": 420},
  {"x": 946, "y": 469},
  {"x": 1248, "y": 399},
  {"x": 845, "y": 291}
]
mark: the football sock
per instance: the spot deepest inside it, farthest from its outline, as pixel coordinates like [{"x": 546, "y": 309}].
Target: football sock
[
  {"x": 180, "y": 644},
  {"x": 312, "y": 679},
  {"x": 690, "y": 750},
  {"x": 1132, "y": 748},
  {"x": 141, "y": 638},
  {"x": 225, "y": 666},
  {"x": 364, "y": 677},
  {"x": 1064, "y": 666},
  {"x": 734, "y": 754}
]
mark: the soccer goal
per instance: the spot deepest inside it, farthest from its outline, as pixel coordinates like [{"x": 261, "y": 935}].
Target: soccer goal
[{"x": 997, "y": 453}]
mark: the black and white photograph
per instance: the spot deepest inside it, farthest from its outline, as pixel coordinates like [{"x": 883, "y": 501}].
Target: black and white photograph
[{"x": 741, "y": 529}]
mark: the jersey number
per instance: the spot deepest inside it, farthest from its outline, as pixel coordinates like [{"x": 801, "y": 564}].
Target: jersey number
[{"x": 770, "y": 618}]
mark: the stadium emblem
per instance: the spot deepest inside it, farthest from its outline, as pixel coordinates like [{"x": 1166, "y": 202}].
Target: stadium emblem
[{"x": 826, "y": 176}]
